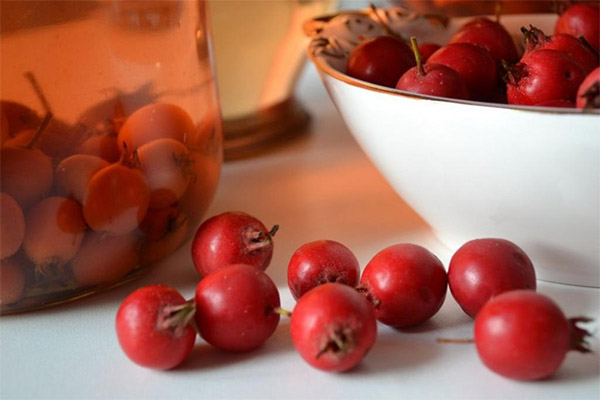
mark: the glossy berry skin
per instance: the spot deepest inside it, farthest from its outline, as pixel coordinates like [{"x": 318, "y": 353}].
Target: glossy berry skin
[
  {"x": 333, "y": 327},
  {"x": 484, "y": 268},
  {"x": 581, "y": 19},
  {"x": 434, "y": 80},
  {"x": 231, "y": 238},
  {"x": 236, "y": 308},
  {"x": 381, "y": 60},
  {"x": 427, "y": 49},
  {"x": 406, "y": 283},
  {"x": 522, "y": 335},
  {"x": 319, "y": 262},
  {"x": 146, "y": 333},
  {"x": 490, "y": 35},
  {"x": 588, "y": 94},
  {"x": 535, "y": 39},
  {"x": 544, "y": 75},
  {"x": 473, "y": 63}
]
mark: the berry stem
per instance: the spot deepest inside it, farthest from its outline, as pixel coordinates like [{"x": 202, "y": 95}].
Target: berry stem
[
  {"x": 455, "y": 341},
  {"x": 283, "y": 312},
  {"x": 418, "y": 59},
  {"x": 176, "y": 318},
  {"x": 38, "y": 134},
  {"x": 38, "y": 91}
]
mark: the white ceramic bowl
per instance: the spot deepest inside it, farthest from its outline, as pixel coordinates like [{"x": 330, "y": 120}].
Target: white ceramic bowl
[{"x": 470, "y": 169}]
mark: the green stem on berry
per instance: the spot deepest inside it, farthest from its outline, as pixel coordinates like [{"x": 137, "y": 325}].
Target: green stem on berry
[
  {"x": 498, "y": 10},
  {"x": 455, "y": 341},
  {"x": 38, "y": 134},
  {"x": 418, "y": 59},
  {"x": 176, "y": 318},
  {"x": 283, "y": 312},
  {"x": 580, "y": 335}
]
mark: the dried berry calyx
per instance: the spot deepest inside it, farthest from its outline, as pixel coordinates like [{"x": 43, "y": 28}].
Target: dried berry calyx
[{"x": 579, "y": 335}]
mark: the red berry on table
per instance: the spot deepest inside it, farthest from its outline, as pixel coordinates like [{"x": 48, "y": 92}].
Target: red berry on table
[
  {"x": 524, "y": 335},
  {"x": 333, "y": 327},
  {"x": 237, "y": 308},
  {"x": 406, "y": 283},
  {"x": 556, "y": 103},
  {"x": 381, "y": 60},
  {"x": 432, "y": 79},
  {"x": 543, "y": 75},
  {"x": 474, "y": 64},
  {"x": 483, "y": 268},
  {"x": 581, "y": 20},
  {"x": 319, "y": 262},
  {"x": 588, "y": 94},
  {"x": 535, "y": 39},
  {"x": 490, "y": 35},
  {"x": 153, "y": 327},
  {"x": 232, "y": 238}
]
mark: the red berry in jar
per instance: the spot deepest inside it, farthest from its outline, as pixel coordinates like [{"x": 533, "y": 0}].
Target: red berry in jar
[
  {"x": 153, "y": 327},
  {"x": 237, "y": 308},
  {"x": 320, "y": 262},
  {"x": 333, "y": 327},
  {"x": 543, "y": 75},
  {"x": 406, "y": 283},
  {"x": 581, "y": 19},
  {"x": 524, "y": 335},
  {"x": 483, "y": 268},
  {"x": 232, "y": 238},
  {"x": 490, "y": 35},
  {"x": 12, "y": 226},
  {"x": 588, "y": 94},
  {"x": 116, "y": 199},
  {"x": 381, "y": 60},
  {"x": 12, "y": 280},
  {"x": 474, "y": 64}
]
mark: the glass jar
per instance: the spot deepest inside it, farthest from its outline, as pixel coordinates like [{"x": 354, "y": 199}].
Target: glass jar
[{"x": 111, "y": 142}]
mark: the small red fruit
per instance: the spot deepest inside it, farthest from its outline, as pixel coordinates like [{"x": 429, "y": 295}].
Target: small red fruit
[
  {"x": 406, "y": 283},
  {"x": 320, "y": 262},
  {"x": 581, "y": 19},
  {"x": 236, "y": 308},
  {"x": 588, "y": 94},
  {"x": 484, "y": 268},
  {"x": 535, "y": 39},
  {"x": 490, "y": 35},
  {"x": 153, "y": 327},
  {"x": 473, "y": 63},
  {"x": 232, "y": 238},
  {"x": 433, "y": 79},
  {"x": 543, "y": 75},
  {"x": 333, "y": 327},
  {"x": 427, "y": 49},
  {"x": 381, "y": 60},
  {"x": 524, "y": 335}
]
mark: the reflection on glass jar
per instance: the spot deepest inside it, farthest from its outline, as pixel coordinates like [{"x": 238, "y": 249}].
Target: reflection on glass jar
[
  {"x": 111, "y": 142},
  {"x": 259, "y": 51}
]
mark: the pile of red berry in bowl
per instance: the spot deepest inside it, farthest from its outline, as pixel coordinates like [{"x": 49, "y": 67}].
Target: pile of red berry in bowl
[{"x": 485, "y": 125}]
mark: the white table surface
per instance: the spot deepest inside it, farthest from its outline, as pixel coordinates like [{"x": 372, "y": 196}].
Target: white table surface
[{"x": 320, "y": 186}]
